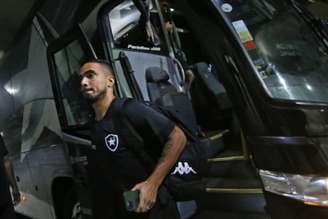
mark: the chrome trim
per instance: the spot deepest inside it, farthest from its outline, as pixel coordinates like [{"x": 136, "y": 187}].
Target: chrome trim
[
  {"x": 235, "y": 191},
  {"x": 223, "y": 159}
]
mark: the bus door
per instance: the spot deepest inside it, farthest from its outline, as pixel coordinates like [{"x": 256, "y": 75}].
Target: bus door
[
  {"x": 135, "y": 55},
  {"x": 64, "y": 57}
]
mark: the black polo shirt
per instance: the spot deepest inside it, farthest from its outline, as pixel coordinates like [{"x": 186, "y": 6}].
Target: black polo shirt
[
  {"x": 154, "y": 129},
  {"x": 4, "y": 189}
]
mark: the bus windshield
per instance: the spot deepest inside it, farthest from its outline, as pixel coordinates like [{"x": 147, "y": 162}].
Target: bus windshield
[{"x": 286, "y": 42}]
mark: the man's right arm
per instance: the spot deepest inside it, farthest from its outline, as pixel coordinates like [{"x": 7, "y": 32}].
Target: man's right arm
[{"x": 171, "y": 140}]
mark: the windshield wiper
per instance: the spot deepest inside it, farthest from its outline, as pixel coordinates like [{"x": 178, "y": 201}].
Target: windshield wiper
[{"x": 316, "y": 25}]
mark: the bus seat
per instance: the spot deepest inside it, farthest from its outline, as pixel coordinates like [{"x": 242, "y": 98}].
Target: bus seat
[
  {"x": 163, "y": 93},
  {"x": 210, "y": 99},
  {"x": 206, "y": 76},
  {"x": 158, "y": 83}
]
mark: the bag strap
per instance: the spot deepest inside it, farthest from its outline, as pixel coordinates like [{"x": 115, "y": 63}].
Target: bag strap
[
  {"x": 134, "y": 141},
  {"x": 172, "y": 115}
]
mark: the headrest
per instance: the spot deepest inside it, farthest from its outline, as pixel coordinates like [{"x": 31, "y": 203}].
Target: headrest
[
  {"x": 156, "y": 74},
  {"x": 201, "y": 68}
]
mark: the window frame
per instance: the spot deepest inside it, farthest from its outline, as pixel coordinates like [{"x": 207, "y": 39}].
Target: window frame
[
  {"x": 105, "y": 26},
  {"x": 74, "y": 34}
]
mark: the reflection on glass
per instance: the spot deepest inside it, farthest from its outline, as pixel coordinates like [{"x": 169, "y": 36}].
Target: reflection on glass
[
  {"x": 286, "y": 45},
  {"x": 133, "y": 26},
  {"x": 123, "y": 18},
  {"x": 67, "y": 66}
]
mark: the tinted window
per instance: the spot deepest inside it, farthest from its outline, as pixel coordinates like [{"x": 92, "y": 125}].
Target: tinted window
[
  {"x": 285, "y": 46},
  {"x": 135, "y": 26},
  {"x": 67, "y": 63}
]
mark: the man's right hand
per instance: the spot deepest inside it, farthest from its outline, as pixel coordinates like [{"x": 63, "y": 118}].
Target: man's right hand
[{"x": 147, "y": 195}]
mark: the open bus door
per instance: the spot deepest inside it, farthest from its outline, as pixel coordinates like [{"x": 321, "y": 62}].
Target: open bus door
[
  {"x": 64, "y": 58},
  {"x": 148, "y": 70}
]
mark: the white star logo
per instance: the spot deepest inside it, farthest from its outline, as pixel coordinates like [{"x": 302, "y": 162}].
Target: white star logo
[{"x": 111, "y": 142}]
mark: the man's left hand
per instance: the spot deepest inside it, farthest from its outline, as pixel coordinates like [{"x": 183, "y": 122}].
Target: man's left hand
[{"x": 147, "y": 195}]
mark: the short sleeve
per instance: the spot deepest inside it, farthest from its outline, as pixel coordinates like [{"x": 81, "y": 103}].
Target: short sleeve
[
  {"x": 149, "y": 122},
  {"x": 3, "y": 150}
]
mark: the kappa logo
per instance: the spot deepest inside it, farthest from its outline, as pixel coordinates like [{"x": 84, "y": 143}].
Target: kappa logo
[
  {"x": 183, "y": 168},
  {"x": 111, "y": 141}
]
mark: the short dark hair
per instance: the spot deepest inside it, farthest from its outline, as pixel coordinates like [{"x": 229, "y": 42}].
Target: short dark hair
[{"x": 102, "y": 62}]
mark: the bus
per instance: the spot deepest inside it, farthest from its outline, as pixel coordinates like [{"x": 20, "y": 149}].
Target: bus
[{"x": 248, "y": 75}]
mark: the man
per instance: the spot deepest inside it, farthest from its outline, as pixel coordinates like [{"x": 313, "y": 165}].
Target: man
[
  {"x": 7, "y": 175},
  {"x": 162, "y": 139}
]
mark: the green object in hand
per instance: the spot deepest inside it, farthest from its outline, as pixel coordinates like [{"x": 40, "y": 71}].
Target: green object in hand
[{"x": 131, "y": 200}]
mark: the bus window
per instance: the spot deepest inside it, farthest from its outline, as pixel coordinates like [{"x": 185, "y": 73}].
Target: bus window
[
  {"x": 134, "y": 26},
  {"x": 123, "y": 18},
  {"x": 288, "y": 50},
  {"x": 67, "y": 63}
]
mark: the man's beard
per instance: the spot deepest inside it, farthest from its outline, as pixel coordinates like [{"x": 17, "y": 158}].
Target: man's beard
[{"x": 93, "y": 99}]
